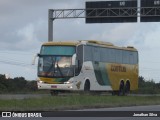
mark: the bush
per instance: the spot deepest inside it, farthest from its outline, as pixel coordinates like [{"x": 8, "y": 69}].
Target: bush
[{"x": 18, "y": 84}]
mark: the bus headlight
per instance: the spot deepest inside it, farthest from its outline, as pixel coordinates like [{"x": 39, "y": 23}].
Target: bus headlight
[
  {"x": 39, "y": 81},
  {"x": 68, "y": 82}
]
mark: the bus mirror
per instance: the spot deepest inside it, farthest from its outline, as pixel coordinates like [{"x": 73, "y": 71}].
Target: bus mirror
[
  {"x": 74, "y": 59},
  {"x": 38, "y": 55},
  {"x": 34, "y": 59}
]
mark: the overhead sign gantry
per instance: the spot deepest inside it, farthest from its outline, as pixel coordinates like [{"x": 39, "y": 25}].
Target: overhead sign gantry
[{"x": 108, "y": 12}]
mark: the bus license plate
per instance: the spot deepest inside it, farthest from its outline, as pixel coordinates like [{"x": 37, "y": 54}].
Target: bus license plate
[{"x": 53, "y": 86}]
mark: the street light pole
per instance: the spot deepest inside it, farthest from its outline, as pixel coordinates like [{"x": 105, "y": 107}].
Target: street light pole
[{"x": 50, "y": 25}]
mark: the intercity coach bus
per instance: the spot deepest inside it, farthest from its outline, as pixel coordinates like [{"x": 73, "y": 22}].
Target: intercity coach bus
[{"x": 89, "y": 66}]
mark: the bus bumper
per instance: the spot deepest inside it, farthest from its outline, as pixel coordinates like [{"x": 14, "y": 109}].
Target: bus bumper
[{"x": 55, "y": 86}]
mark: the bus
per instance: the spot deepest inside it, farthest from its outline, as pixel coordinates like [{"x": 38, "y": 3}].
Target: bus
[{"x": 87, "y": 65}]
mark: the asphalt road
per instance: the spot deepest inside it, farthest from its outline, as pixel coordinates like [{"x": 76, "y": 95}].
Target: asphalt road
[{"x": 133, "y": 108}]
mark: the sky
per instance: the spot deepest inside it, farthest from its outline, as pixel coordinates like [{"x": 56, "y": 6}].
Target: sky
[{"x": 24, "y": 27}]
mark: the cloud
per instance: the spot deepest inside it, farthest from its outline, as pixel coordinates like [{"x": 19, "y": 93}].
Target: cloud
[
  {"x": 146, "y": 36},
  {"x": 117, "y": 33},
  {"x": 27, "y": 36},
  {"x": 152, "y": 39},
  {"x": 23, "y": 20},
  {"x": 32, "y": 35}
]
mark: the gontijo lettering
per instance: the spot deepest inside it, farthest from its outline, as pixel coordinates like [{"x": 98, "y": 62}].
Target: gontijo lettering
[{"x": 118, "y": 68}]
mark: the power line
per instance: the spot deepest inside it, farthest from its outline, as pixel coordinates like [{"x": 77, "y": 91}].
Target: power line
[
  {"x": 19, "y": 52},
  {"x": 17, "y": 63},
  {"x": 149, "y": 61},
  {"x": 149, "y": 69},
  {"x": 12, "y": 60}
]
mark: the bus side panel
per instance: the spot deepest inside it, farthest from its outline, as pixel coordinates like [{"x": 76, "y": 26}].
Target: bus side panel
[
  {"x": 101, "y": 73},
  {"x": 96, "y": 74},
  {"x": 118, "y": 72},
  {"x": 111, "y": 74}
]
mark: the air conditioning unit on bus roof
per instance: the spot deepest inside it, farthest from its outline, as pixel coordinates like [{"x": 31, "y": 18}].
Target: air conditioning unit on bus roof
[
  {"x": 100, "y": 42},
  {"x": 130, "y": 47}
]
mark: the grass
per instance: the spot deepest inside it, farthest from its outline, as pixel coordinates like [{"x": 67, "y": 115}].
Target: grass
[{"x": 76, "y": 102}]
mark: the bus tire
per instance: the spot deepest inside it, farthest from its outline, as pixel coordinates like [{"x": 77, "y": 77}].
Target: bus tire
[
  {"x": 127, "y": 88},
  {"x": 54, "y": 92},
  {"x": 121, "y": 89},
  {"x": 87, "y": 86}
]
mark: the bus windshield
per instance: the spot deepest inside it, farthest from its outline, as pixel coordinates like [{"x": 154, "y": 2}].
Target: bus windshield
[
  {"x": 55, "y": 61},
  {"x": 55, "y": 66}
]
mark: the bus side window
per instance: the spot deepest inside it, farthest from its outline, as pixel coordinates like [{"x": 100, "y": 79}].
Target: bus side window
[
  {"x": 79, "y": 59},
  {"x": 77, "y": 67}
]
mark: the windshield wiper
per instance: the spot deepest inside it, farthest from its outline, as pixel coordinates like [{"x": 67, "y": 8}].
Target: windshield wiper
[
  {"x": 52, "y": 66},
  {"x": 59, "y": 70}
]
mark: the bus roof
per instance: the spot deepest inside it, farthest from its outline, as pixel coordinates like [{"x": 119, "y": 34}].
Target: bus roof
[
  {"x": 90, "y": 42},
  {"x": 109, "y": 45},
  {"x": 61, "y": 43}
]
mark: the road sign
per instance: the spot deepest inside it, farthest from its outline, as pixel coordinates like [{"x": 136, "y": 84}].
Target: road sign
[
  {"x": 111, "y": 11},
  {"x": 150, "y": 11}
]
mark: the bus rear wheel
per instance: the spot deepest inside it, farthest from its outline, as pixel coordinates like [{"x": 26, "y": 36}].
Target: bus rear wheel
[
  {"x": 87, "y": 86},
  {"x": 127, "y": 88},
  {"x": 121, "y": 89}
]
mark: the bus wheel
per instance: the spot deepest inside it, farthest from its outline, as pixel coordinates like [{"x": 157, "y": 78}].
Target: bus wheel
[
  {"x": 121, "y": 89},
  {"x": 54, "y": 92},
  {"x": 127, "y": 88},
  {"x": 87, "y": 86}
]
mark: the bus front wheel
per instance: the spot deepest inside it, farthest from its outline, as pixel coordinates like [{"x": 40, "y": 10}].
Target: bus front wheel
[{"x": 54, "y": 92}]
